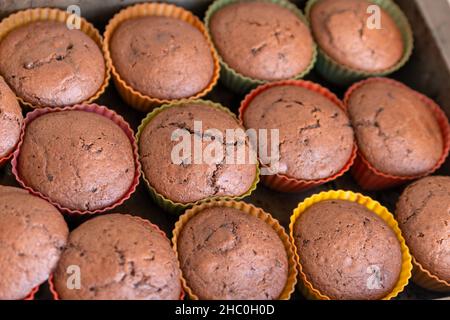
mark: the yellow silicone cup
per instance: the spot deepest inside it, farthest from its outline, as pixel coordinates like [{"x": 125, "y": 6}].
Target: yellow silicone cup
[
  {"x": 131, "y": 96},
  {"x": 256, "y": 212},
  {"x": 305, "y": 286},
  {"x": 48, "y": 14},
  {"x": 159, "y": 199}
]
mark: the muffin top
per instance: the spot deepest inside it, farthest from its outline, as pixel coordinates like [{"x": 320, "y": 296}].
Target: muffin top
[
  {"x": 10, "y": 119},
  {"x": 162, "y": 57},
  {"x": 262, "y": 40},
  {"x": 120, "y": 258},
  {"x": 228, "y": 254},
  {"x": 423, "y": 214},
  {"x": 397, "y": 132},
  {"x": 194, "y": 177},
  {"x": 32, "y": 235},
  {"x": 315, "y": 137},
  {"x": 347, "y": 251},
  {"x": 47, "y": 64},
  {"x": 80, "y": 160},
  {"x": 343, "y": 29}
]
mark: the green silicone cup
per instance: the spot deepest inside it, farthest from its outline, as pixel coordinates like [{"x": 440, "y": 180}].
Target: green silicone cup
[
  {"x": 342, "y": 75},
  {"x": 177, "y": 207},
  {"x": 237, "y": 82}
]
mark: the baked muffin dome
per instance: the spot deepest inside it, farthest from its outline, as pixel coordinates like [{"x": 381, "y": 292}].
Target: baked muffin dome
[
  {"x": 262, "y": 40},
  {"x": 423, "y": 216},
  {"x": 397, "y": 132},
  {"x": 341, "y": 30},
  {"x": 162, "y": 57},
  {"x": 32, "y": 236},
  {"x": 228, "y": 254},
  {"x": 47, "y": 64},
  {"x": 189, "y": 181},
  {"x": 120, "y": 257},
  {"x": 341, "y": 244},
  {"x": 316, "y": 139},
  {"x": 78, "y": 159},
  {"x": 11, "y": 119}
]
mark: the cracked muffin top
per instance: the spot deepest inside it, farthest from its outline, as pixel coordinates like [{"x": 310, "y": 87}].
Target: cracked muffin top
[
  {"x": 343, "y": 30},
  {"x": 346, "y": 251},
  {"x": 397, "y": 132},
  {"x": 11, "y": 119},
  {"x": 228, "y": 254},
  {"x": 423, "y": 213},
  {"x": 119, "y": 257},
  {"x": 315, "y": 136},
  {"x": 190, "y": 174},
  {"x": 32, "y": 236},
  {"x": 47, "y": 64},
  {"x": 78, "y": 159},
  {"x": 162, "y": 57},
  {"x": 262, "y": 40}
]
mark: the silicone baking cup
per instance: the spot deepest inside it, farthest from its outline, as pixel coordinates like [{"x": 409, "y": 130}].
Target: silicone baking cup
[
  {"x": 31, "y": 295},
  {"x": 159, "y": 199},
  {"x": 94, "y": 108},
  {"x": 307, "y": 287},
  {"x": 282, "y": 182},
  {"x": 251, "y": 210},
  {"x": 370, "y": 178},
  {"x": 238, "y": 82},
  {"x": 47, "y": 14},
  {"x": 425, "y": 279},
  {"x": 144, "y": 221},
  {"x": 340, "y": 74},
  {"x": 131, "y": 96}
]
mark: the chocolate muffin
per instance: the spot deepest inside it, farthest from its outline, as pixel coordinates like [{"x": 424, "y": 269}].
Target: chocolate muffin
[
  {"x": 120, "y": 258},
  {"x": 316, "y": 139},
  {"x": 342, "y": 29},
  {"x": 162, "y": 57},
  {"x": 423, "y": 216},
  {"x": 228, "y": 254},
  {"x": 10, "y": 119},
  {"x": 80, "y": 160},
  {"x": 32, "y": 236},
  {"x": 397, "y": 132},
  {"x": 262, "y": 40},
  {"x": 346, "y": 251},
  {"x": 46, "y": 64},
  {"x": 194, "y": 177}
]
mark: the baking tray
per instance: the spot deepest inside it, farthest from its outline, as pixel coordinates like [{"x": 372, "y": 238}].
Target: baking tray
[{"x": 428, "y": 71}]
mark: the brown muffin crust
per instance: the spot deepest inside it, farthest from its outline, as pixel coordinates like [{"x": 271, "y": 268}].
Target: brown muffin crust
[
  {"x": 47, "y": 64},
  {"x": 316, "y": 139},
  {"x": 228, "y": 254},
  {"x": 262, "y": 40},
  {"x": 397, "y": 133},
  {"x": 32, "y": 235},
  {"x": 80, "y": 160},
  {"x": 423, "y": 215},
  {"x": 120, "y": 257},
  {"x": 341, "y": 29},
  {"x": 11, "y": 119},
  {"x": 162, "y": 57},
  {"x": 190, "y": 182},
  {"x": 338, "y": 242}
]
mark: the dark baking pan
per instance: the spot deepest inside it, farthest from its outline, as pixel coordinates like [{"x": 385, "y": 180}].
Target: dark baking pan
[{"x": 428, "y": 71}]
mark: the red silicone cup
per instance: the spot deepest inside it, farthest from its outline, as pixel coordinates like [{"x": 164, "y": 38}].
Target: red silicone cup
[
  {"x": 101, "y": 110},
  {"x": 144, "y": 221},
  {"x": 30, "y": 296},
  {"x": 282, "y": 182},
  {"x": 370, "y": 178},
  {"x": 4, "y": 160}
]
